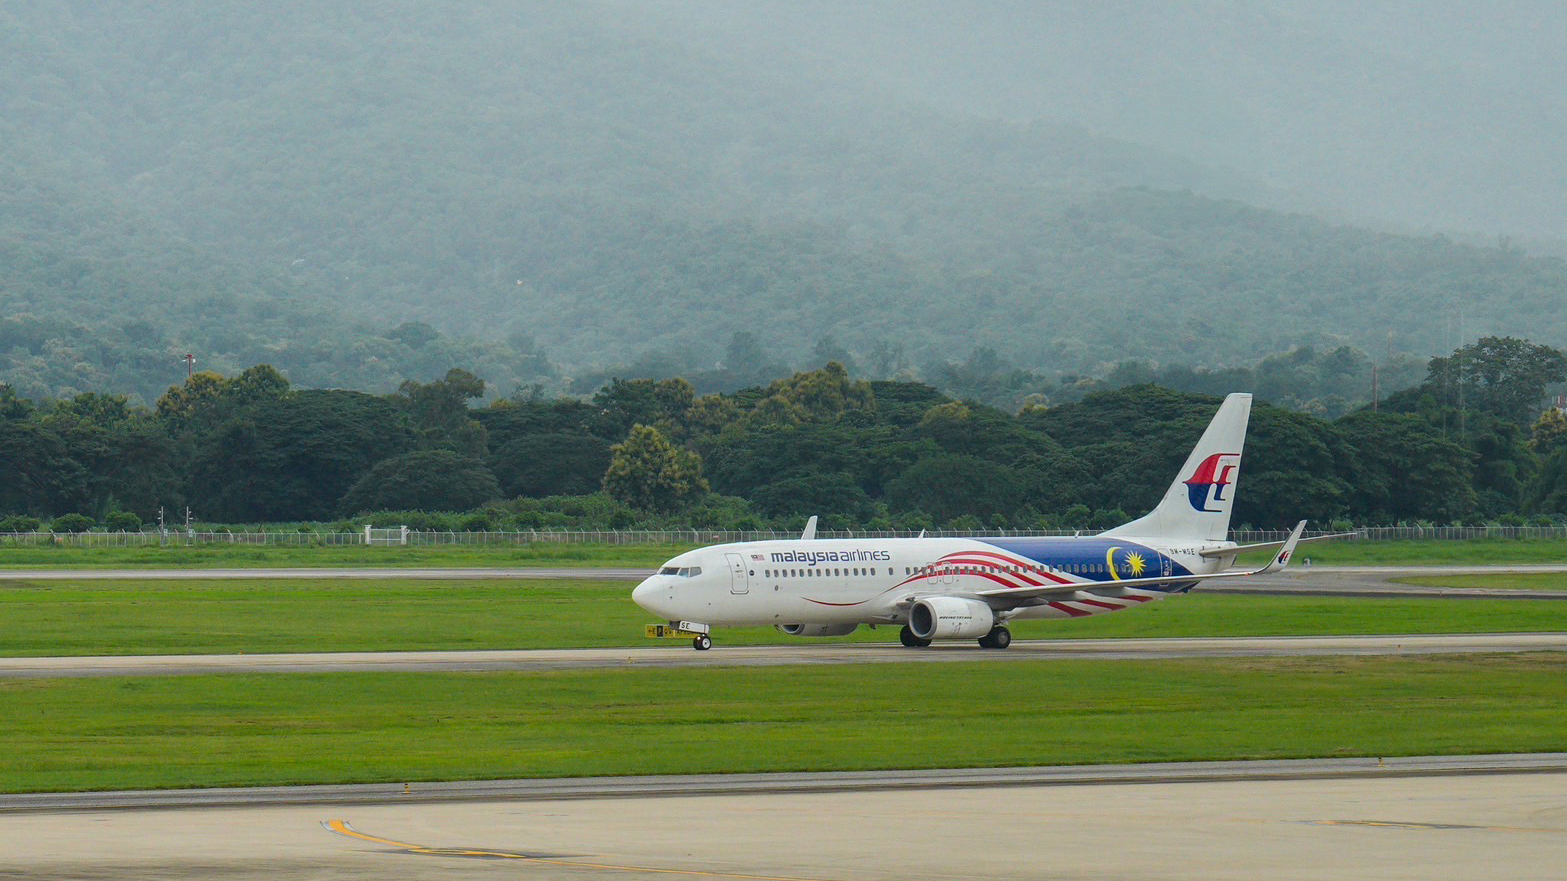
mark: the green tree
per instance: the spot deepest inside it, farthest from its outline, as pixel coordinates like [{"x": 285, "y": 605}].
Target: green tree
[
  {"x": 38, "y": 475},
  {"x": 835, "y": 495},
  {"x": 295, "y": 458},
  {"x": 646, "y": 471},
  {"x": 658, "y": 402},
  {"x": 439, "y": 412},
  {"x": 551, "y": 464},
  {"x": 1503, "y": 376},
  {"x": 1401, "y": 468},
  {"x": 195, "y": 404},
  {"x": 423, "y": 480},
  {"x": 128, "y": 457},
  {"x": 949, "y": 486},
  {"x": 823, "y": 395},
  {"x": 1549, "y": 433}
]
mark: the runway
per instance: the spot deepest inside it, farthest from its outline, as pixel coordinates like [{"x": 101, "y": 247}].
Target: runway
[
  {"x": 1487, "y": 817},
  {"x": 679, "y": 654}
]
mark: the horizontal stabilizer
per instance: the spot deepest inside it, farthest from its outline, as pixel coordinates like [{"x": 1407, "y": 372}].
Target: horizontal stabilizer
[{"x": 1269, "y": 545}]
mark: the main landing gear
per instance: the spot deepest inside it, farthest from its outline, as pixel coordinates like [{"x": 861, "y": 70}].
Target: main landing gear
[
  {"x": 998, "y": 638},
  {"x": 702, "y": 642}
]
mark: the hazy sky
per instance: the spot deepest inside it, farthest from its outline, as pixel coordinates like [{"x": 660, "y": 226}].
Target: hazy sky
[{"x": 1420, "y": 114}]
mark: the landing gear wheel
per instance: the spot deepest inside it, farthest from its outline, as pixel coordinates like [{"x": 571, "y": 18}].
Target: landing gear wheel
[
  {"x": 998, "y": 638},
  {"x": 907, "y": 637},
  {"x": 702, "y": 643}
]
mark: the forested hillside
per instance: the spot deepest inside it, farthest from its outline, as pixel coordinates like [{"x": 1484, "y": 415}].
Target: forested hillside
[
  {"x": 1468, "y": 443},
  {"x": 359, "y": 193}
]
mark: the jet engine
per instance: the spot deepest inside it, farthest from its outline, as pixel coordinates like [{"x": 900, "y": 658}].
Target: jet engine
[
  {"x": 818, "y": 629},
  {"x": 950, "y": 618}
]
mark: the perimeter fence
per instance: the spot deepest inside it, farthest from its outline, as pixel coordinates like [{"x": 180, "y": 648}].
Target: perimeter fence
[{"x": 421, "y": 538}]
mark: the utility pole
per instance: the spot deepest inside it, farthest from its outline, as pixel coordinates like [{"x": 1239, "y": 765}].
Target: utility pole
[{"x": 190, "y": 365}]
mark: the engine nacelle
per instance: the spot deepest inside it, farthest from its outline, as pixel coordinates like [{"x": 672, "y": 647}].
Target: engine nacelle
[
  {"x": 950, "y": 618},
  {"x": 818, "y": 629}
]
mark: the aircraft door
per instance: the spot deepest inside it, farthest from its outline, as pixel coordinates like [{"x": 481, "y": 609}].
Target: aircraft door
[{"x": 739, "y": 578}]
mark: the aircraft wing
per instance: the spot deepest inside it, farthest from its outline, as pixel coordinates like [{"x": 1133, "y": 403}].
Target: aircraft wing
[
  {"x": 1278, "y": 562},
  {"x": 1268, "y": 545}
]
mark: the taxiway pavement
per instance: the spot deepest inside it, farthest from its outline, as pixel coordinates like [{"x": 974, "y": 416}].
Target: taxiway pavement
[{"x": 1481, "y": 818}]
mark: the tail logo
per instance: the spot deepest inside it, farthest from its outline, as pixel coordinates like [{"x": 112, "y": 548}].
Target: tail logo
[{"x": 1209, "y": 486}]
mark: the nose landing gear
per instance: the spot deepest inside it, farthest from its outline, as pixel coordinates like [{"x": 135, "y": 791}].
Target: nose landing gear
[{"x": 702, "y": 642}]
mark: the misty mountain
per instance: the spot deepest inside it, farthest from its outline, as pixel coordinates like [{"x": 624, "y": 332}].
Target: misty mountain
[
  {"x": 290, "y": 184},
  {"x": 1418, "y": 115}
]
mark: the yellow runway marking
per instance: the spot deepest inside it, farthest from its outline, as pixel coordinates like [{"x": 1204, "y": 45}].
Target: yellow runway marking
[
  {"x": 1389, "y": 824},
  {"x": 341, "y": 827}
]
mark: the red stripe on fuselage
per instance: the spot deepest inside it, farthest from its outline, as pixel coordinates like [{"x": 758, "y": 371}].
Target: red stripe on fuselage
[
  {"x": 1033, "y": 566},
  {"x": 992, "y": 571},
  {"x": 1063, "y": 607},
  {"x": 1103, "y": 605}
]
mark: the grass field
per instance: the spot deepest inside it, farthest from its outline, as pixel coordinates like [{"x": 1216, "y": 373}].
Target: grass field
[
  {"x": 1337, "y": 552},
  {"x": 218, "y": 556},
  {"x": 1501, "y": 581},
  {"x": 113, "y": 733},
  {"x": 1468, "y": 552},
  {"x": 289, "y": 615}
]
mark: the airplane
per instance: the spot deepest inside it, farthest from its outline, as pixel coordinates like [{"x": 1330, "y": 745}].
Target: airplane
[{"x": 969, "y": 588}]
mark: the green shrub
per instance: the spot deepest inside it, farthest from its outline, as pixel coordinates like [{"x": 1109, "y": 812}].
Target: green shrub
[
  {"x": 20, "y": 523},
  {"x": 71, "y": 523},
  {"x": 122, "y": 521}
]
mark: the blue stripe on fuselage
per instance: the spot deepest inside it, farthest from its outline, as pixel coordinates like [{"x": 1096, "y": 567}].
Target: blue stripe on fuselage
[{"x": 1087, "y": 557}]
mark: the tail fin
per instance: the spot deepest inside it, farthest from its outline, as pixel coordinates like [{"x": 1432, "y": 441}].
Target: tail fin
[{"x": 1197, "y": 504}]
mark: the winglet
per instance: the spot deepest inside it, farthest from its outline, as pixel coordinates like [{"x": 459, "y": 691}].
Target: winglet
[
  {"x": 1282, "y": 558},
  {"x": 810, "y": 529}
]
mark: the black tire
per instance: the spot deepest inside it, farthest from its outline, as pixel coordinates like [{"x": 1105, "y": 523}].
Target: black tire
[
  {"x": 998, "y": 638},
  {"x": 702, "y": 643},
  {"x": 907, "y": 637}
]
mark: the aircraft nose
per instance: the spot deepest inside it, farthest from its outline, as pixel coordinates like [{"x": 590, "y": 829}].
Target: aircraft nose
[{"x": 647, "y": 595}]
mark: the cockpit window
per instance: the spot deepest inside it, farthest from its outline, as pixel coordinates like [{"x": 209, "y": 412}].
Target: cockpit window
[
  {"x": 669, "y": 570},
  {"x": 683, "y": 571}
]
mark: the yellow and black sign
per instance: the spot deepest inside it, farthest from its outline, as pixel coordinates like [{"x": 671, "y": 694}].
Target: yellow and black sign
[{"x": 664, "y": 631}]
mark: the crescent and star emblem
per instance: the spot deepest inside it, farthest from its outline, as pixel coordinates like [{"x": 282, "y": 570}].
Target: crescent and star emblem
[{"x": 1133, "y": 562}]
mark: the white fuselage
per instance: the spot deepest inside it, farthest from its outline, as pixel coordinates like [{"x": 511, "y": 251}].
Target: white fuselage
[{"x": 870, "y": 581}]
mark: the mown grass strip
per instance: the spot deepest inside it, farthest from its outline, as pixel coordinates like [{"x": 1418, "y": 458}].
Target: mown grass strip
[
  {"x": 220, "y": 556},
  {"x": 83, "y": 734},
  {"x": 1414, "y": 552},
  {"x": 1338, "y": 552},
  {"x": 286, "y": 615},
  {"x": 1500, "y": 581}
]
